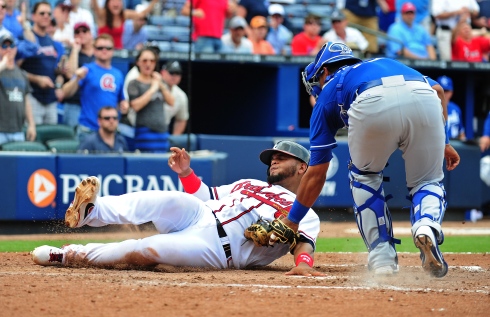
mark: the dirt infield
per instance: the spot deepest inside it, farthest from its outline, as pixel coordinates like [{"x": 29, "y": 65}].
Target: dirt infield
[{"x": 348, "y": 289}]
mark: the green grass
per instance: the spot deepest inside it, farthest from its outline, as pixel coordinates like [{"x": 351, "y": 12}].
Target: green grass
[{"x": 474, "y": 244}]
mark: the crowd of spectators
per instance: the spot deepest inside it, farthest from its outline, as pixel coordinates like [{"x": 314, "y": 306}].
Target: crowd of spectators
[{"x": 65, "y": 48}]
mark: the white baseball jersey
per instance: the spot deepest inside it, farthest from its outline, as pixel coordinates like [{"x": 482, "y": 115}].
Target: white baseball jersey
[{"x": 188, "y": 230}]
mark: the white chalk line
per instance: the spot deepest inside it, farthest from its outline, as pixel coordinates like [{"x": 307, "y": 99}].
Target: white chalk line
[
  {"x": 447, "y": 231},
  {"x": 467, "y": 268},
  {"x": 375, "y": 286}
]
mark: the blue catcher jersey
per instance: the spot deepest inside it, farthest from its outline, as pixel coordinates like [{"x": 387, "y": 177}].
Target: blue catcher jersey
[{"x": 341, "y": 89}]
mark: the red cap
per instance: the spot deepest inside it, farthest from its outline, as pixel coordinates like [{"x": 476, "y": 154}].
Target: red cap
[
  {"x": 408, "y": 7},
  {"x": 81, "y": 24}
]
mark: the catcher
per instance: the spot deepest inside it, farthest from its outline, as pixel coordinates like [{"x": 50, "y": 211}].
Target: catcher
[{"x": 222, "y": 227}]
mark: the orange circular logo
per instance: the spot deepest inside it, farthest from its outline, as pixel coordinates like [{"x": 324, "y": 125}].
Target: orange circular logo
[{"x": 41, "y": 188}]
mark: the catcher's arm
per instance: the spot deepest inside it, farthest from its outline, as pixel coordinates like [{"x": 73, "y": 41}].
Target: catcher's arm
[{"x": 303, "y": 257}]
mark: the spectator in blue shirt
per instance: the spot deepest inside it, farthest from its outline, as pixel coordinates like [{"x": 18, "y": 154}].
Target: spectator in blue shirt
[
  {"x": 135, "y": 36},
  {"x": 10, "y": 21},
  {"x": 485, "y": 139},
  {"x": 279, "y": 35},
  {"x": 454, "y": 115},
  {"x": 417, "y": 43},
  {"x": 106, "y": 139}
]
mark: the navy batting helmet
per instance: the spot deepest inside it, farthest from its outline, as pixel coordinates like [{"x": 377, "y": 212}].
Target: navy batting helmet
[{"x": 288, "y": 147}]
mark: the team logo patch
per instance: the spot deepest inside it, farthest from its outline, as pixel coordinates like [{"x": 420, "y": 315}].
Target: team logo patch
[
  {"x": 340, "y": 48},
  {"x": 41, "y": 188},
  {"x": 108, "y": 82}
]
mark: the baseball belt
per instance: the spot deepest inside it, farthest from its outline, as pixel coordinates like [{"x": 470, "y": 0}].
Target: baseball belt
[
  {"x": 225, "y": 242},
  {"x": 379, "y": 82}
]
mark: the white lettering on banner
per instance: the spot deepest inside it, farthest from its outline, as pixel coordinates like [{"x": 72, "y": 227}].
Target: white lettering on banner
[
  {"x": 328, "y": 189},
  {"x": 134, "y": 183}
]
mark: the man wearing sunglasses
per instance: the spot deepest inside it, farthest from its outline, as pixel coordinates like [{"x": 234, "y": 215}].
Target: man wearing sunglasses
[
  {"x": 42, "y": 67},
  {"x": 14, "y": 87},
  {"x": 99, "y": 83},
  {"x": 106, "y": 139}
]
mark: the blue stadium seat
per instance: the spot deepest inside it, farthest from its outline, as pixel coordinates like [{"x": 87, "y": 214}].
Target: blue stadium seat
[
  {"x": 296, "y": 24},
  {"x": 181, "y": 47},
  {"x": 164, "y": 46},
  {"x": 155, "y": 33},
  {"x": 161, "y": 20},
  {"x": 176, "y": 33},
  {"x": 319, "y": 9},
  {"x": 182, "y": 20},
  {"x": 295, "y": 10}
]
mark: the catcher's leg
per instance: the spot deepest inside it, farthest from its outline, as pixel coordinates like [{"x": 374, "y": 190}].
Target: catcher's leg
[
  {"x": 374, "y": 220},
  {"x": 426, "y": 214}
]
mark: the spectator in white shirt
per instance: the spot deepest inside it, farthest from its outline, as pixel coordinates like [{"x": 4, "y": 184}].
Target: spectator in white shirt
[
  {"x": 79, "y": 14},
  {"x": 235, "y": 40},
  {"x": 279, "y": 35},
  {"x": 63, "y": 32},
  {"x": 340, "y": 32}
]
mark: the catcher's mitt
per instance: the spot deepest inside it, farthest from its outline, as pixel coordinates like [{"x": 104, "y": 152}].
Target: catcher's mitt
[{"x": 260, "y": 233}]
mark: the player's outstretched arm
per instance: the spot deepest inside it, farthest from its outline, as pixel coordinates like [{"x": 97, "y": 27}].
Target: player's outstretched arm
[
  {"x": 303, "y": 259},
  {"x": 180, "y": 161}
]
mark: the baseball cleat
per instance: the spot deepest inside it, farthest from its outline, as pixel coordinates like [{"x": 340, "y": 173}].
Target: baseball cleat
[
  {"x": 432, "y": 259},
  {"x": 83, "y": 202},
  {"x": 47, "y": 256},
  {"x": 386, "y": 270}
]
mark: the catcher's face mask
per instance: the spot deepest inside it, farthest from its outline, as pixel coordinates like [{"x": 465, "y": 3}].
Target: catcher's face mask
[{"x": 330, "y": 52}]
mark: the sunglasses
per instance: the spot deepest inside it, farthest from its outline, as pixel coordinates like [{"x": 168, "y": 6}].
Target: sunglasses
[
  {"x": 107, "y": 118},
  {"x": 151, "y": 61},
  {"x": 81, "y": 30},
  {"x": 11, "y": 45},
  {"x": 43, "y": 13},
  {"x": 100, "y": 48},
  {"x": 174, "y": 73}
]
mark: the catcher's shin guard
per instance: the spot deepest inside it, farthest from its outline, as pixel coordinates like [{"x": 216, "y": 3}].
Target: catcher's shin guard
[
  {"x": 372, "y": 214},
  {"x": 428, "y": 207}
]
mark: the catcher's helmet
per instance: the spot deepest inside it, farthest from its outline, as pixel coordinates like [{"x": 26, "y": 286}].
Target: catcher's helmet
[
  {"x": 288, "y": 147},
  {"x": 331, "y": 52}
]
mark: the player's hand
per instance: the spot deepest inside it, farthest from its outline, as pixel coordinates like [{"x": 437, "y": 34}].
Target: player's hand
[
  {"x": 304, "y": 269},
  {"x": 484, "y": 143},
  {"x": 180, "y": 161},
  {"x": 451, "y": 156}
]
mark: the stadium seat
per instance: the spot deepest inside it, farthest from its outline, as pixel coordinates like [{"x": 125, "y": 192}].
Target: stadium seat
[
  {"x": 295, "y": 10},
  {"x": 63, "y": 145},
  {"x": 164, "y": 46},
  {"x": 26, "y": 146},
  {"x": 46, "y": 132},
  {"x": 319, "y": 9},
  {"x": 296, "y": 24},
  {"x": 176, "y": 33},
  {"x": 161, "y": 20},
  {"x": 182, "y": 20},
  {"x": 155, "y": 33},
  {"x": 182, "y": 47}
]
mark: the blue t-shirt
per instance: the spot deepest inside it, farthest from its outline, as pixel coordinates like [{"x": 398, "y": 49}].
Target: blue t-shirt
[
  {"x": 44, "y": 64},
  {"x": 94, "y": 143},
  {"x": 101, "y": 87},
  {"x": 454, "y": 120},
  {"x": 11, "y": 23},
  {"x": 415, "y": 39},
  {"x": 486, "y": 126},
  {"x": 82, "y": 60},
  {"x": 326, "y": 120}
]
